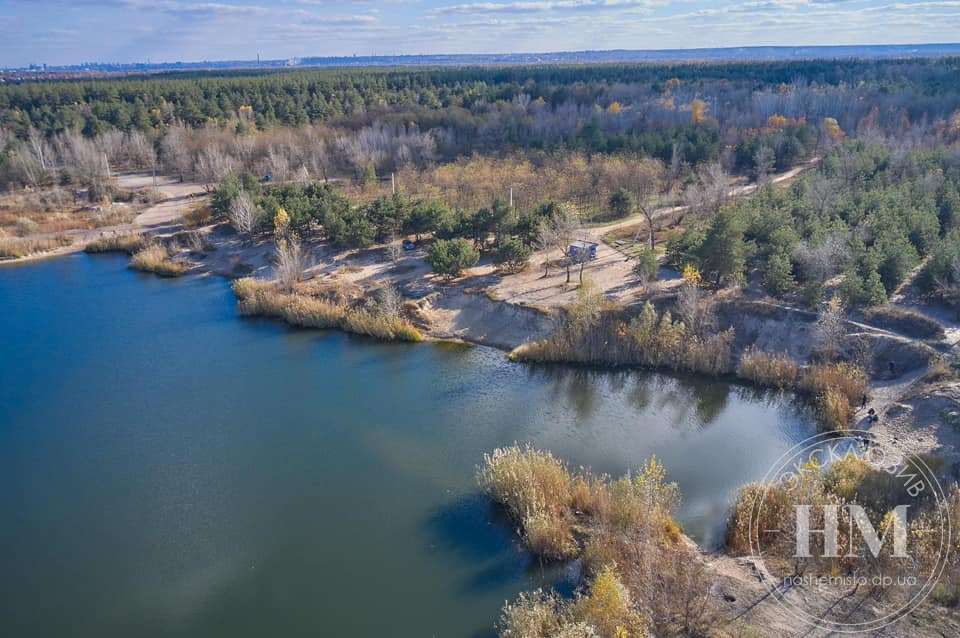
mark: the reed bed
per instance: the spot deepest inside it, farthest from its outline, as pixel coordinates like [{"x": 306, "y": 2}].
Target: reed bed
[
  {"x": 261, "y": 298},
  {"x": 836, "y": 388},
  {"x": 595, "y": 331},
  {"x": 17, "y": 247},
  {"x": 631, "y": 547},
  {"x": 155, "y": 259},
  {"x": 128, "y": 243}
]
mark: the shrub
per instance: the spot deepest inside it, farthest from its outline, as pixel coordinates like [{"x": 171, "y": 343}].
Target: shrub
[
  {"x": 764, "y": 368},
  {"x": 647, "y": 264},
  {"x": 640, "y": 574},
  {"x": 117, "y": 242},
  {"x": 512, "y": 253},
  {"x": 199, "y": 215},
  {"x": 156, "y": 260},
  {"x": 608, "y": 607},
  {"x": 449, "y": 257},
  {"x": 536, "y": 614}
]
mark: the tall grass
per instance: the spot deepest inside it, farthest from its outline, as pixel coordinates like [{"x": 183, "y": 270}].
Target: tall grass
[
  {"x": 639, "y": 569},
  {"x": 155, "y": 259},
  {"x": 846, "y": 378},
  {"x": 117, "y": 242},
  {"x": 17, "y": 247},
  {"x": 536, "y": 488},
  {"x": 256, "y": 297},
  {"x": 835, "y": 388},
  {"x": 776, "y": 370},
  {"x": 597, "y": 331}
]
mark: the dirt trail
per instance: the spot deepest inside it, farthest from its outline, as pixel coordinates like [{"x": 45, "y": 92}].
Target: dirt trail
[
  {"x": 597, "y": 232},
  {"x": 176, "y": 199}
]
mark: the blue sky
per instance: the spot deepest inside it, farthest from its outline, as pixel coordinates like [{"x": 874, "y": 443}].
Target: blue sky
[{"x": 70, "y": 31}]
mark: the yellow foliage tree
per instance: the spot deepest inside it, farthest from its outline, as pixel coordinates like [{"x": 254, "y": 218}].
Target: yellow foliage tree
[
  {"x": 692, "y": 275},
  {"x": 281, "y": 222},
  {"x": 698, "y": 111},
  {"x": 777, "y": 121},
  {"x": 609, "y": 609},
  {"x": 614, "y": 108},
  {"x": 832, "y": 128}
]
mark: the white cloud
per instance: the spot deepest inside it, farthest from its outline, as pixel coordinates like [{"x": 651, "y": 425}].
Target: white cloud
[{"x": 537, "y": 6}]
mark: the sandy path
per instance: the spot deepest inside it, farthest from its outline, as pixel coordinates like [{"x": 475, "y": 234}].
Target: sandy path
[
  {"x": 176, "y": 199},
  {"x": 597, "y": 232},
  {"x": 611, "y": 272}
]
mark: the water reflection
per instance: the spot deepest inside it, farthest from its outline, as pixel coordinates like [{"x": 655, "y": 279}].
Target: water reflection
[{"x": 582, "y": 388}]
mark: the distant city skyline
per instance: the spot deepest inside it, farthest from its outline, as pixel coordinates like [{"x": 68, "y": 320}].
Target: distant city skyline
[{"x": 63, "y": 32}]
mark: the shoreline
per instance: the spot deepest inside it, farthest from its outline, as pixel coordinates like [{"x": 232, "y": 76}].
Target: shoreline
[{"x": 735, "y": 576}]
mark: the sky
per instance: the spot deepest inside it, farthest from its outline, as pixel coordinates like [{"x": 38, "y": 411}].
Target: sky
[{"x": 77, "y": 31}]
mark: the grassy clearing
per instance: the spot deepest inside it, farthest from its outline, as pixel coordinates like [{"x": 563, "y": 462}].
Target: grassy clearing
[
  {"x": 596, "y": 331},
  {"x": 323, "y": 309},
  {"x": 16, "y": 247},
  {"x": 117, "y": 242},
  {"x": 157, "y": 260},
  {"x": 641, "y": 574}
]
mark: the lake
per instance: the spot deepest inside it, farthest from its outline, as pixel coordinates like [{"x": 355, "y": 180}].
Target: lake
[{"x": 168, "y": 468}]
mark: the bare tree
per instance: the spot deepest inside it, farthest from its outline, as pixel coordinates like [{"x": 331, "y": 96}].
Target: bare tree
[
  {"x": 388, "y": 300},
  {"x": 291, "y": 262},
  {"x": 110, "y": 144},
  {"x": 40, "y": 150},
  {"x": 764, "y": 161},
  {"x": 138, "y": 150},
  {"x": 394, "y": 250},
  {"x": 175, "y": 151},
  {"x": 27, "y": 167},
  {"x": 830, "y": 328},
  {"x": 84, "y": 163},
  {"x": 648, "y": 183},
  {"x": 277, "y": 163},
  {"x": 557, "y": 234},
  {"x": 213, "y": 165},
  {"x": 824, "y": 260},
  {"x": 695, "y": 310},
  {"x": 243, "y": 214},
  {"x": 822, "y": 193}
]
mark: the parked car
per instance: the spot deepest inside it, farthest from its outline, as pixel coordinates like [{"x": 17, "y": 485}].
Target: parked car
[{"x": 584, "y": 251}]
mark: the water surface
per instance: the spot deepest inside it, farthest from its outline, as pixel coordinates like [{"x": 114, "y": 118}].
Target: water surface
[{"x": 170, "y": 469}]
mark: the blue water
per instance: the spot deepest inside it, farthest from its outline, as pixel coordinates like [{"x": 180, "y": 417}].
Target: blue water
[{"x": 168, "y": 468}]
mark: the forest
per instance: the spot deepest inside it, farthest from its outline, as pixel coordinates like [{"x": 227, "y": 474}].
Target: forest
[{"x": 514, "y": 159}]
